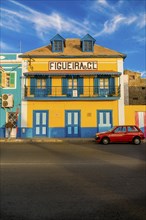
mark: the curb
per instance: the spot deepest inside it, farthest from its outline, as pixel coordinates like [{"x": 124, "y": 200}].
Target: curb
[{"x": 52, "y": 140}]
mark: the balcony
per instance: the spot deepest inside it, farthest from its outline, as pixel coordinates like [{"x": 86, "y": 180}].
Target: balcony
[{"x": 65, "y": 93}]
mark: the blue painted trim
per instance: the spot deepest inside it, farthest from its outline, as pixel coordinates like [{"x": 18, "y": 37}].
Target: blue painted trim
[
  {"x": 88, "y": 132},
  {"x": 57, "y": 37},
  {"x": 71, "y": 98},
  {"x": 88, "y": 37},
  {"x": 64, "y": 86},
  {"x": 2, "y": 132},
  {"x": 56, "y": 132},
  {"x": 28, "y": 133}
]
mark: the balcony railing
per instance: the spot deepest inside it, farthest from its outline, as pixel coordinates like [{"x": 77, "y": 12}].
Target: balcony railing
[{"x": 65, "y": 92}]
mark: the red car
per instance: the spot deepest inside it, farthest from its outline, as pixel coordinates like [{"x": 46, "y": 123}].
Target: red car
[{"x": 121, "y": 134}]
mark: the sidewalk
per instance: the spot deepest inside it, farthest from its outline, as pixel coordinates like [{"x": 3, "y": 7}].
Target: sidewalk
[{"x": 50, "y": 140}]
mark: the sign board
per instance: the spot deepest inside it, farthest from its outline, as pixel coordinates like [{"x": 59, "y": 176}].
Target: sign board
[{"x": 92, "y": 65}]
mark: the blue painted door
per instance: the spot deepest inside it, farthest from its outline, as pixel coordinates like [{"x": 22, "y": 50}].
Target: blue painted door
[
  {"x": 40, "y": 123},
  {"x": 104, "y": 120},
  {"x": 72, "y": 123}
]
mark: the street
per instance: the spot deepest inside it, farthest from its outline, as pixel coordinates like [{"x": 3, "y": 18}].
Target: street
[{"x": 72, "y": 181}]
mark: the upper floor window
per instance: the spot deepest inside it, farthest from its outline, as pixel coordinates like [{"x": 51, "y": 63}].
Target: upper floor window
[
  {"x": 72, "y": 83},
  {"x": 10, "y": 80},
  {"x": 87, "y": 43},
  {"x": 41, "y": 83},
  {"x": 7, "y": 80},
  {"x": 57, "y": 43}
]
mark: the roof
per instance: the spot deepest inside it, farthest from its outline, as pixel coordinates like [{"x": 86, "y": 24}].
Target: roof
[{"x": 72, "y": 49}]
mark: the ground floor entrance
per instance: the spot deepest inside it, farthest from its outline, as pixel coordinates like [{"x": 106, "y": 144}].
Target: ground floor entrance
[
  {"x": 40, "y": 123},
  {"x": 72, "y": 123},
  {"x": 104, "y": 120}
]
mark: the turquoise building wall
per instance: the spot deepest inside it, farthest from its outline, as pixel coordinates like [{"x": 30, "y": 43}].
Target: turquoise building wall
[{"x": 11, "y": 63}]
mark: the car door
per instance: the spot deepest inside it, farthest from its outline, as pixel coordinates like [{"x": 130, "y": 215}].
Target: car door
[
  {"x": 131, "y": 133},
  {"x": 119, "y": 134}
]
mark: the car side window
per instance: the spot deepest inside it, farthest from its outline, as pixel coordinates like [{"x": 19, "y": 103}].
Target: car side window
[
  {"x": 132, "y": 129},
  {"x": 124, "y": 129},
  {"x": 120, "y": 129}
]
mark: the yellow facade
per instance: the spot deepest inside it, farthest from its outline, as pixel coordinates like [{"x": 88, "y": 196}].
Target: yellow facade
[
  {"x": 85, "y": 97},
  {"x": 130, "y": 111},
  {"x": 108, "y": 64},
  {"x": 56, "y": 111}
]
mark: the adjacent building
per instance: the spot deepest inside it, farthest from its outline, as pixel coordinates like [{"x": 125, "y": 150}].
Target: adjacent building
[
  {"x": 135, "y": 87},
  {"x": 10, "y": 92},
  {"x": 71, "y": 88},
  {"x": 135, "y": 99}
]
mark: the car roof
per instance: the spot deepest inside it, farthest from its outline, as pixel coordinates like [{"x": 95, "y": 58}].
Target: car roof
[{"x": 125, "y": 125}]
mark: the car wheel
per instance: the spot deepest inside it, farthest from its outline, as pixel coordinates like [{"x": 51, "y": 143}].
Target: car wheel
[
  {"x": 137, "y": 140},
  {"x": 105, "y": 141}
]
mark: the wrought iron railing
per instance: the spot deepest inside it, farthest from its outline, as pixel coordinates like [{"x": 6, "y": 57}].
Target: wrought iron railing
[{"x": 80, "y": 92}]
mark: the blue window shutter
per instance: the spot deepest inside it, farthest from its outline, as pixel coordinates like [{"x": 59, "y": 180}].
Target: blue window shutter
[
  {"x": 49, "y": 86},
  {"x": 111, "y": 85},
  {"x": 32, "y": 86},
  {"x": 96, "y": 85},
  {"x": 80, "y": 85},
  {"x": 64, "y": 86}
]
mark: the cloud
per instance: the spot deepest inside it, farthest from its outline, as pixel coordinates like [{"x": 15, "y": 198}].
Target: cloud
[
  {"x": 101, "y": 5},
  {"x": 46, "y": 24},
  {"x": 141, "y": 21},
  {"x": 131, "y": 51},
  {"x": 5, "y": 47},
  {"x": 140, "y": 39},
  {"x": 112, "y": 25},
  {"x": 40, "y": 22},
  {"x": 105, "y": 8},
  {"x": 143, "y": 74},
  {"x": 11, "y": 20}
]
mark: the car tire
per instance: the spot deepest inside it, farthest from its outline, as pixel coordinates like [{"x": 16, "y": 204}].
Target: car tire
[
  {"x": 136, "y": 140},
  {"x": 105, "y": 141}
]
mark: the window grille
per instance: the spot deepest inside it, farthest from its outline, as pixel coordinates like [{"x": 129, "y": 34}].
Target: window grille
[{"x": 12, "y": 116}]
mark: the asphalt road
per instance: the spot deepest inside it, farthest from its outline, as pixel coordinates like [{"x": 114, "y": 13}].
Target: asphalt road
[{"x": 66, "y": 181}]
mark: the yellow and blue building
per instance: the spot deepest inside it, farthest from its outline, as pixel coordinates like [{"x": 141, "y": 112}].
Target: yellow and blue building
[{"x": 71, "y": 88}]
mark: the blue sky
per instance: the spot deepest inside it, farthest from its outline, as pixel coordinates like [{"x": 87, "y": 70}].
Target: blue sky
[{"x": 116, "y": 24}]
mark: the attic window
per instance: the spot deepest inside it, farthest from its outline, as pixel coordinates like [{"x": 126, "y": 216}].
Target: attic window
[
  {"x": 58, "y": 46},
  {"x": 87, "y": 45},
  {"x": 57, "y": 43}
]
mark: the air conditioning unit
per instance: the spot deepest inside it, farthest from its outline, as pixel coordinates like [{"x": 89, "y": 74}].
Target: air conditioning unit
[{"x": 7, "y": 100}]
